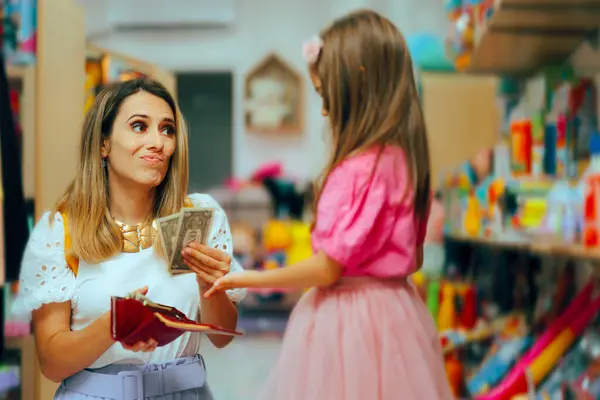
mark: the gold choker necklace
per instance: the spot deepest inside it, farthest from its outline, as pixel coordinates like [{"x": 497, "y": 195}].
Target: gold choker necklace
[{"x": 137, "y": 237}]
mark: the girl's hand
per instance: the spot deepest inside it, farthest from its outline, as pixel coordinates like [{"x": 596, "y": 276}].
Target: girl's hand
[
  {"x": 148, "y": 345},
  {"x": 234, "y": 280},
  {"x": 208, "y": 263}
]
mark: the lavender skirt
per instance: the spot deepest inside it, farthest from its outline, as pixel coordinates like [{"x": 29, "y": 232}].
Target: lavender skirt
[{"x": 166, "y": 379}]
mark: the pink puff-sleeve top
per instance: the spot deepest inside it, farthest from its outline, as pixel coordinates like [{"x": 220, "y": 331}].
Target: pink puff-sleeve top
[{"x": 365, "y": 217}]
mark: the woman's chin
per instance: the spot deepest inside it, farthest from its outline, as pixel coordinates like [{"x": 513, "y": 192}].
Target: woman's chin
[{"x": 151, "y": 180}]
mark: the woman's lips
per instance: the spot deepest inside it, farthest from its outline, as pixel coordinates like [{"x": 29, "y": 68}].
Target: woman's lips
[{"x": 153, "y": 160}]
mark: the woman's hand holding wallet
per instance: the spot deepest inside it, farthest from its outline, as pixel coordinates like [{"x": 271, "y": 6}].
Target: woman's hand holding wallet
[
  {"x": 142, "y": 325},
  {"x": 144, "y": 345}
]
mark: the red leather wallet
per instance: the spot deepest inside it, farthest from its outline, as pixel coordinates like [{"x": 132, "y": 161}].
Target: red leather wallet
[{"x": 133, "y": 321}]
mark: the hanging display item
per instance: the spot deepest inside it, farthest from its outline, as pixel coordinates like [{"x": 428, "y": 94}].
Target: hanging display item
[{"x": 14, "y": 210}]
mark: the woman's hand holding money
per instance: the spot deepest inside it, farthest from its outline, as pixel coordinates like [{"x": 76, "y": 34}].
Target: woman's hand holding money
[{"x": 208, "y": 263}]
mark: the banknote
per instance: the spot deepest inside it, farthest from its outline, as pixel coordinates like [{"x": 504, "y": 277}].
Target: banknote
[
  {"x": 168, "y": 227},
  {"x": 194, "y": 226}
]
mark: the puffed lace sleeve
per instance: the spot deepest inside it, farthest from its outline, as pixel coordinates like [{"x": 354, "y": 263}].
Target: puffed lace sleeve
[
  {"x": 220, "y": 237},
  {"x": 45, "y": 277}
]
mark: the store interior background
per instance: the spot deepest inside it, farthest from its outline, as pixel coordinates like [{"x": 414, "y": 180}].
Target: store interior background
[{"x": 207, "y": 51}]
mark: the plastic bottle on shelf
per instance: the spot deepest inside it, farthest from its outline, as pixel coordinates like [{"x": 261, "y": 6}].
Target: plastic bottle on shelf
[{"x": 591, "y": 223}]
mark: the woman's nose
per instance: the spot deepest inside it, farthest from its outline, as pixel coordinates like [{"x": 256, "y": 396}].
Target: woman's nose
[{"x": 156, "y": 139}]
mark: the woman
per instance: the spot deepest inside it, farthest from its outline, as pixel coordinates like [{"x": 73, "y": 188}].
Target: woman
[{"x": 99, "y": 242}]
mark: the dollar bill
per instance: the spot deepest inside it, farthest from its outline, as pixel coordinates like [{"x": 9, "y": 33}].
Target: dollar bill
[
  {"x": 194, "y": 227},
  {"x": 168, "y": 227}
]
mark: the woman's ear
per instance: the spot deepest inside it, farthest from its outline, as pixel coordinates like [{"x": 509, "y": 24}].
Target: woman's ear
[{"x": 105, "y": 149}]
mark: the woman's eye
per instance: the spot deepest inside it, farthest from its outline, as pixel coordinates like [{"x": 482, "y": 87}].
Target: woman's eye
[
  {"x": 138, "y": 127},
  {"x": 168, "y": 130}
]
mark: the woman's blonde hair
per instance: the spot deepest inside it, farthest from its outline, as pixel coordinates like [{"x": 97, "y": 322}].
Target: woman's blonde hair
[
  {"x": 94, "y": 233},
  {"x": 370, "y": 95}
]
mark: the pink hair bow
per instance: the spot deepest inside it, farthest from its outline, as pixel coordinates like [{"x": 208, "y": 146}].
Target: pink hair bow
[{"x": 311, "y": 49}]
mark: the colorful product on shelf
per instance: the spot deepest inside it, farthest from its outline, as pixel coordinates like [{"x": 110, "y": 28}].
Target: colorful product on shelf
[
  {"x": 447, "y": 318},
  {"x": 521, "y": 147},
  {"x": 93, "y": 82},
  {"x": 574, "y": 365},
  {"x": 503, "y": 355},
  {"x": 454, "y": 372},
  {"x": 462, "y": 41},
  {"x": 538, "y": 123},
  {"x": 540, "y": 360},
  {"x": 587, "y": 386},
  {"x": 591, "y": 227},
  {"x": 19, "y": 31},
  {"x": 433, "y": 299},
  {"x": 562, "y": 149},
  {"x": 472, "y": 222},
  {"x": 114, "y": 70},
  {"x": 453, "y": 8}
]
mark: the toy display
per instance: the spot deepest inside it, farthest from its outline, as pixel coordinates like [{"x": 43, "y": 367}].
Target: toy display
[
  {"x": 93, "y": 82},
  {"x": 267, "y": 214},
  {"x": 518, "y": 225},
  {"x": 19, "y": 30},
  {"x": 548, "y": 348},
  {"x": 468, "y": 19},
  {"x": 540, "y": 198},
  {"x": 102, "y": 70}
]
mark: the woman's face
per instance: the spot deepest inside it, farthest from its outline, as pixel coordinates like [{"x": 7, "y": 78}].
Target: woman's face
[{"x": 142, "y": 140}]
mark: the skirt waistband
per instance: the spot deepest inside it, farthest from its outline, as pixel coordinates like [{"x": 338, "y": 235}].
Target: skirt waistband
[
  {"x": 350, "y": 282},
  {"x": 139, "y": 382}
]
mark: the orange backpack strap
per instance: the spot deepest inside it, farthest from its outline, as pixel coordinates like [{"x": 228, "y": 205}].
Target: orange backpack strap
[{"x": 72, "y": 261}]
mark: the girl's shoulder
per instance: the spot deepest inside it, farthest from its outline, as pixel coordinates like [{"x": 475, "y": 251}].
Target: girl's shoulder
[{"x": 372, "y": 162}]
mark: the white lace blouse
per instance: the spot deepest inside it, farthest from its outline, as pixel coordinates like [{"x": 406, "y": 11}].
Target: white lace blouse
[{"x": 46, "y": 278}]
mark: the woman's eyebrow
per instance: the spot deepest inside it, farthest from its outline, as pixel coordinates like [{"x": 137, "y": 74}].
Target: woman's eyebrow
[{"x": 138, "y": 116}]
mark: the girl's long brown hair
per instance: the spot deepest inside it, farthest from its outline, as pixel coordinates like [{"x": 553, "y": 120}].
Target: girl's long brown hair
[
  {"x": 95, "y": 235},
  {"x": 370, "y": 95}
]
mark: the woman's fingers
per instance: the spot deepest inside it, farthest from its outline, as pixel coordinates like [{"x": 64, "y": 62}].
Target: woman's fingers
[
  {"x": 212, "y": 252},
  {"x": 149, "y": 345},
  {"x": 144, "y": 346},
  {"x": 138, "y": 294},
  {"x": 205, "y": 278},
  {"x": 204, "y": 259}
]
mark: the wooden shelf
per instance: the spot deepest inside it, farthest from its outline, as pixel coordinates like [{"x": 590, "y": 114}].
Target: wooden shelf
[
  {"x": 163, "y": 76},
  {"x": 547, "y": 15},
  {"x": 523, "y": 35},
  {"x": 537, "y": 247}
]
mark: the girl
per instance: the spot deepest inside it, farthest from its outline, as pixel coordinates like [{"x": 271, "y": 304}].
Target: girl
[{"x": 362, "y": 332}]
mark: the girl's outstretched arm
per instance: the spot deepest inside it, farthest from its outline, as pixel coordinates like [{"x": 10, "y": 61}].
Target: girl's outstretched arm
[{"x": 319, "y": 270}]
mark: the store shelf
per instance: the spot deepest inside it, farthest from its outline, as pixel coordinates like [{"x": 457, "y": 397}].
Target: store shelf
[
  {"x": 547, "y": 15},
  {"x": 523, "y": 35},
  {"x": 547, "y": 248}
]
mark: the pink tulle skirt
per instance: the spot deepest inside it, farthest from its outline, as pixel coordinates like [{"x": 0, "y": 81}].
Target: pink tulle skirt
[{"x": 363, "y": 339}]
